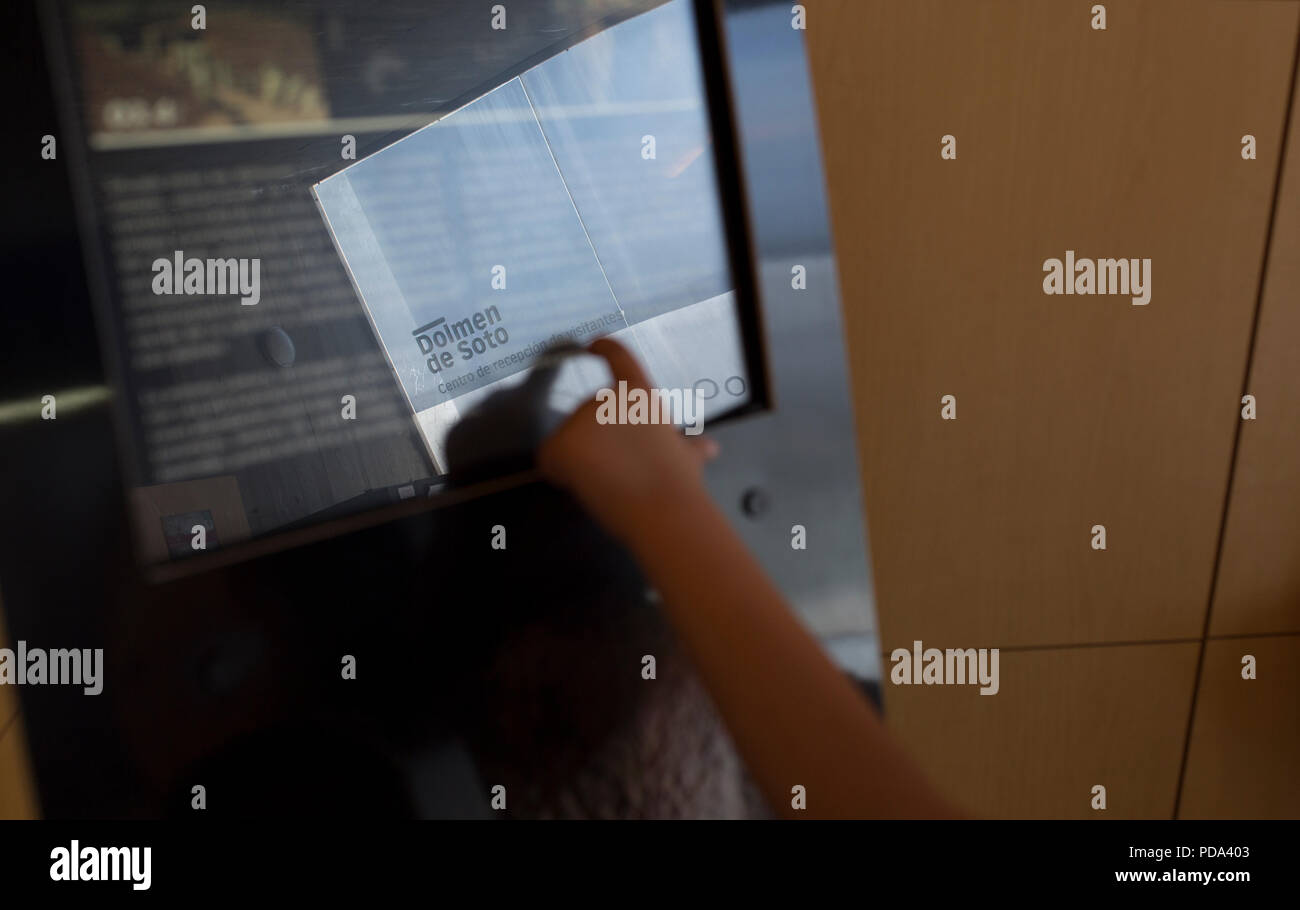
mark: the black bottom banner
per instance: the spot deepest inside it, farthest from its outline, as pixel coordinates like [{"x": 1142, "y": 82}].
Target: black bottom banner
[{"x": 1151, "y": 860}]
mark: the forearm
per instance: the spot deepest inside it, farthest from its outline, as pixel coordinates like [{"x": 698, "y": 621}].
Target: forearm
[{"x": 796, "y": 718}]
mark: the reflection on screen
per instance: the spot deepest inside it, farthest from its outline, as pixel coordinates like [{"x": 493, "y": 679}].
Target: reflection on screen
[{"x": 577, "y": 200}]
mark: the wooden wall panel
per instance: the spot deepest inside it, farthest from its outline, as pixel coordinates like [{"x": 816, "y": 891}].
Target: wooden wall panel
[
  {"x": 17, "y": 796},
  {"x": 1072, "y": 411},
  {"x": 1062, "y": 722},
  {"x": 8, "y": 693},
  {"x": 17, "y": 789},
  {"x": 1259, "y": 574},
  {"x": 1245, "y": 744}
]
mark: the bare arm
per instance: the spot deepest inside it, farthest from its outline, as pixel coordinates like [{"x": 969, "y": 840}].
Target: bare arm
[{"x": 794, "y": 716}]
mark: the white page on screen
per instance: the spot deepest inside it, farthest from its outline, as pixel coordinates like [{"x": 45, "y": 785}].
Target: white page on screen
[{"x": 529, "y": 214}]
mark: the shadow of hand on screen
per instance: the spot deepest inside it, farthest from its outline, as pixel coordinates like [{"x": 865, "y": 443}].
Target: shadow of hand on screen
[{"x": 501, "y": 435}]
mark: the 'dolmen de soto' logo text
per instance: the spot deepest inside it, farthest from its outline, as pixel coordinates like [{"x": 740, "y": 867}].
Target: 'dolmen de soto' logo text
[{"x": 443, "y": 343}]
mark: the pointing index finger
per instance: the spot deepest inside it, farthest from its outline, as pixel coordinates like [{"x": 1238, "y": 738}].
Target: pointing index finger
[{"x": 621, "y": 362}]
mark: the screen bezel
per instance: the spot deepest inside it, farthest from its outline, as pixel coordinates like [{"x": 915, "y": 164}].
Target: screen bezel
[{"x": 736, "y": 224}]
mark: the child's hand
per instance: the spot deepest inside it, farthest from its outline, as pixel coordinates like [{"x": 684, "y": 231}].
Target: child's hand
[{"x": 625, "y": 475}]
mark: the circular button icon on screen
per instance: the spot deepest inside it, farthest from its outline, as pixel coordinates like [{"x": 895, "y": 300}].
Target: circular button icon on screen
[
  {"x": 755, "y": 502},
  {"x": 700, "y": 386}
]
